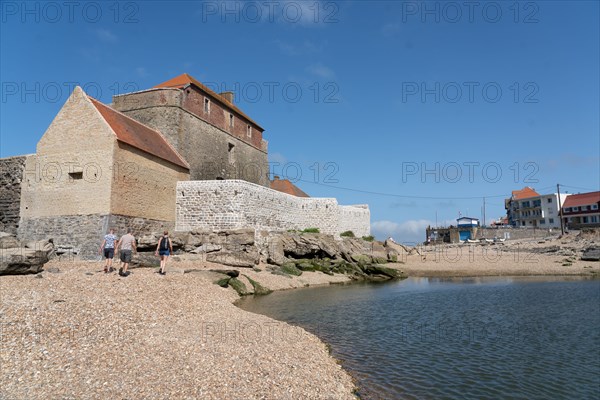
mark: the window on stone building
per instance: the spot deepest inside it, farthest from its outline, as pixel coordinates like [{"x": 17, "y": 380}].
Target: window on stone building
[
  {"x": 76, "y": 175},
  {"x": 231, "y": 120},
  {"x": 249, "y": 131},
  {"x": 206, "y": 105},
  {"x": 231, "y": 152}
]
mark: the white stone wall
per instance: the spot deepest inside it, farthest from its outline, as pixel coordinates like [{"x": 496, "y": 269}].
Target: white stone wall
[{"x": 237, "y": 204}]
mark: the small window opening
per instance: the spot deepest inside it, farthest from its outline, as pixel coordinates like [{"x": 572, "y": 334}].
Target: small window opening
[{"x": 76, "y": 175}]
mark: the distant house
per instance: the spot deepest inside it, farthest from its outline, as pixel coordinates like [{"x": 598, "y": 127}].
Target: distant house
[
  {"x": 467, "y": 221},
  {"x": 285, "y": 186},
  {"x": 467, "y": 228},
  {"x": 582, "y": 210},
  {"x": 528, "y": 209}
]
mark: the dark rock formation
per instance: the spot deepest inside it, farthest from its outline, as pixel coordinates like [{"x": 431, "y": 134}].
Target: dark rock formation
[
  {"x": 17, "y": 259},
  {"x": 591, "y": 254}
]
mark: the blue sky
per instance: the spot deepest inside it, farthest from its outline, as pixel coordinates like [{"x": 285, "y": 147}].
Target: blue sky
[{"x": 419, "y": 109}]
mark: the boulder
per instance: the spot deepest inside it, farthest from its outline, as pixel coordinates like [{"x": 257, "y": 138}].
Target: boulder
[
  {"x": 297, "y": 245},
  {"x": 376, "y": 269},
  {"x": 591, "y": 254},
  {"x": 144, "y": 260},
  {"x": 206, "y": 248},
  {"x": 235, "y": 259},
  {"x": 232, "y": 273},
  {"x": 21, "y": 260},
  {"x": 8, "y": 241},
  {"x": 150, "y": 241},
  {"x": 290, "y": 269}
]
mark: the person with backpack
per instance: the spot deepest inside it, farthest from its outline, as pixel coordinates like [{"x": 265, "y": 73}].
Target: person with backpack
[{"x": 164, "y": 249}]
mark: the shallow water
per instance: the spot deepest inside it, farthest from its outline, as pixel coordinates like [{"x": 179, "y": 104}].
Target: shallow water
[{"x": 473, "y": 338}]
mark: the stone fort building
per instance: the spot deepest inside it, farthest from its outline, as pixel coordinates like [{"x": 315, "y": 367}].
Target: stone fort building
[{"x": 176, "y": 156}]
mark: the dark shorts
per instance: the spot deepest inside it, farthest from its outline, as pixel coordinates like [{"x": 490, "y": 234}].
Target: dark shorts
[
  {"x": 126, "y": 256},
  {"x": 109, "y": 252},
  {"x": 164, "y": 252}
]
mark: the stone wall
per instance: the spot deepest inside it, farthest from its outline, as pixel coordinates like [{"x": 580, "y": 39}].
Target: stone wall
[
  {"x": 516, "y": 233},
  {"x": 84, "y": 233},
  {"x": 71, "y": 173},
  {"x": 11, "y": 175},
  {"x": 145, "y": 186},
  {"x": 212, "y": 151},
  {"x": 236, "y": 204}
]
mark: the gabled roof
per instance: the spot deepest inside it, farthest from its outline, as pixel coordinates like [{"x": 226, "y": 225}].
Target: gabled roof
[
  {"x": 139, "y": 135},
  {"x": 582, "y": 199},
  {"x": 524, "y": 193},
  {"x": 285, "y": 186},
  {"x": 183, "y": 80}
]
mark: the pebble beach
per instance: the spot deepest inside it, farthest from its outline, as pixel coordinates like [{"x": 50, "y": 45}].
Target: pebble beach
[{"x": 74, "y": 332}]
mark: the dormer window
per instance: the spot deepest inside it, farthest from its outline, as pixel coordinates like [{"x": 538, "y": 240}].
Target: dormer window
[
  {"x": 231, "y": 120},
  {"x": 249, "y": 131},
  {"x": 206, "y": 105}
]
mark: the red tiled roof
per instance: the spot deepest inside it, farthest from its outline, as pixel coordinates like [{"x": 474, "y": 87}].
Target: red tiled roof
[
  {"x": 582, "y": 199},
  {"x": 524, "y": 193},
  {"x": 139, "y": 135},
  {"x": 285, "y": 186},
  {"x": 185, "y": 79}
]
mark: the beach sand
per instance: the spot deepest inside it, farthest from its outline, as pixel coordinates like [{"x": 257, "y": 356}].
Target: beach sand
[{"x": 80, "y": 333}]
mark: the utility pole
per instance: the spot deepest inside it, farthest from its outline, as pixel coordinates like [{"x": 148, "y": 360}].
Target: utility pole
[
  {"x": 484, "y": 211},
  {"x": 562, "y": 226}
]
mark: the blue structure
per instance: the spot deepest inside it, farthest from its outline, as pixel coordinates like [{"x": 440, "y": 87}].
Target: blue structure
[{"x": 465, "y": 225}]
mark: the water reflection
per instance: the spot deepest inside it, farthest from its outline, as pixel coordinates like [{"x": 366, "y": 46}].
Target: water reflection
[{"x": 456, "y": 337}]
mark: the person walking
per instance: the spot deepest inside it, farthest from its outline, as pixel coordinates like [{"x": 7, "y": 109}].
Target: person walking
[
  {"x": 164, "y": 248},
  {"x": 127, "y": 246},
  {"x": 108, "y": 247}
]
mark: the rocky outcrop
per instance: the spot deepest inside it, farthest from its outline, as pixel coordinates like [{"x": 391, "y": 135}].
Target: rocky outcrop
[
  {"x": 291, "y": 253},
  {"x": 17, "y": 258},
  {"x": 591, "y": 254},
  {"x": 235, "y": 248}
]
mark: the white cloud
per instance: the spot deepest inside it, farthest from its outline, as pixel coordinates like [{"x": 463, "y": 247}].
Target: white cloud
[
  {"x": 106, "y": 36},
  {"x": 412, "y": 231},
  {"x": 321, "y": 71}
]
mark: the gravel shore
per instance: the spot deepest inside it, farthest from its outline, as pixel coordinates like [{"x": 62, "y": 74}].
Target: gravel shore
[
  {"x": 80, "y": 333},
  {"x": 73, "y": 332}
]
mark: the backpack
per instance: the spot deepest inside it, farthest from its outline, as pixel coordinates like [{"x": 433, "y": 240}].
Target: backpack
[{"x": 164, "y": 244}]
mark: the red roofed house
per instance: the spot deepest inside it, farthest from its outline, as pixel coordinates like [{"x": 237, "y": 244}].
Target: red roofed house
[
  {"x": 528, "y": 209},
  {"x": 582, "y": 210},
  {"x": 213, "y": 135},
  {"x": 285, "y": 186},
  {"x": 96, "y": 168}
]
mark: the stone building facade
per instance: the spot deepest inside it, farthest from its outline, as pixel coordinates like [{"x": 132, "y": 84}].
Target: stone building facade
[
  {"x": 175, "y": 156},
  {"x": 214, "y": 136},
  {"x": 94, "y": 168},
  {"x": 236, "y": 204}
]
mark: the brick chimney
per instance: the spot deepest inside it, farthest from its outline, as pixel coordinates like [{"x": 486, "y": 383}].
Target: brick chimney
[{"x": 227, "y": 96}]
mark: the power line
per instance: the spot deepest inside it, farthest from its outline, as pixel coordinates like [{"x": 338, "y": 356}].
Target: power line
[
  {"x": 577, "y": 187},
  {"x": 400, "y": 195},
  {"x": 424, "y": 197}
]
